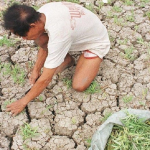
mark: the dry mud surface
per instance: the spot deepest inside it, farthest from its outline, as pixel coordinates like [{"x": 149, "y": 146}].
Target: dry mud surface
[{"x": 66, "y": 119}]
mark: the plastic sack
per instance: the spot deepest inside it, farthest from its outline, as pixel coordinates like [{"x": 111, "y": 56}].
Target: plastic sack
[{"x": 100, "y": 138}]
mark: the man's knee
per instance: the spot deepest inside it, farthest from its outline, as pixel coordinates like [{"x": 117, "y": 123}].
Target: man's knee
[{"x": 78, "y": 87}]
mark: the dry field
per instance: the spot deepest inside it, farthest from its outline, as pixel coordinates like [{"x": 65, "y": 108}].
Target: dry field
[{"x": 61, "y": 118}]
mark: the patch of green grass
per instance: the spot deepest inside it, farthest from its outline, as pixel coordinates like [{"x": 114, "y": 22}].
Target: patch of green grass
[
  {"x": 73, "y": 1},
  {"x": 93, "y": 88},
  {"x": 68, "y": 82},
  {"x": 119, "y": 21},
  {"x": 136, "y": 28},
  {"x": 1, "y": 14},
  {"x": 128, "y": 53},
  {"x": 128, "y": 2},
  {"x": 7, "y": 102},
  {"x": 100, "y": 5},
  {"x": 73, "y": 120},
  {"x": 7, "y": 42},
  {"x": 133, "y": 135},
  {"x": 130, "y": 18},
  {"x": 140, "y": 41},
  {"x": 127, "y": 99},
  {"x": 109, "y": 14},
  {"x": 15, "y": 72},
  {"x": 28, "y": 132},
  {"x": 141, "y": 103},
  {"x": 148, "y": 52},
  {"x": 143, "y": 3},
  {"x": 123, "y": 42},
  {"x": 106, "y": 116},
  {"x": 90, "y": 7},
  {"x": 7, "y": 69},
  {"x": 147, "y": 14},
  {"x": 18, "y": 74},
  {"x": 144, "y": 93},
  {"x": 36, "y": 7},
  {"x": 117, "y": 9},
  {"x": 88, "y": 141},
  {"x": 40, "y": 98}
]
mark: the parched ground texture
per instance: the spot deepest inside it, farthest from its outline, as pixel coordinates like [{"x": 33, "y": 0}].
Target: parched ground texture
[{"x": 63, "y": 118}]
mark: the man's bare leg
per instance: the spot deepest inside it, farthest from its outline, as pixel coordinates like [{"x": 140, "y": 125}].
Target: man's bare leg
[
  {"x": 69, "y": 61},
  {"x": 86, "y": 71}
]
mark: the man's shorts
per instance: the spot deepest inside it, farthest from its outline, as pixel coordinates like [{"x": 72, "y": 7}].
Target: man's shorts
[{"x": 99, "y": 51}]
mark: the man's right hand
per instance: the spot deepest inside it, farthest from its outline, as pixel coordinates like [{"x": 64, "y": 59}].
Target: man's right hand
[{"x": 34, "y": 76}]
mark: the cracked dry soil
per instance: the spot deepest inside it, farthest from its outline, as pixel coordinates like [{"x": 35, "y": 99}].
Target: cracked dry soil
[{"x": 66, "y": 119}]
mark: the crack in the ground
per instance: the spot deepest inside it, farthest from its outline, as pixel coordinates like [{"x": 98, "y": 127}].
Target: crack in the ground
[
  {"x": 28, "y": 114},
  {"x": 1, "y": 92},
  {"x": 53, "y": 124},
  {"x": 11, "y": 142},
  {"x": 117, "y": 101},
  {"x": 0, "y": 108},
  {"x": 74, "y": 142}
]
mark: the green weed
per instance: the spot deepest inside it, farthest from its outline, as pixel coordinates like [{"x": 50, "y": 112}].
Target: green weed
[
  {"x": 141, "y": 103},
  {"x": 128, "y": 53},
  {"x": 123, "y": 42},
  {"x": 130, "y": 18},
  {"x": 73, "y": 1},
  {"x": 68, "y": 82},
  {"x": 136, "y": 28},
  {"x": 7, "y": 42},
  {"x": 28, "y": 132},
  {"x": 144, "y": 3},
  {"x": 88, "y": 141},
  {"x": 109, "y": 14},
  {"x": 128, "y": 2},
  {"x": 36, "y": 7},
  {"x": 144, "y": 93},
  {"x": 148, "y": 52},
  {"x": 100, "y": 5},
  {"x": 17, "y": 74},
  {"x": 116, "y": 9},
  {"x": 106, "y": 116},
  {"x": 147, "y": 14},
  {"x": 118, "y": 21},
  {"x": 7, "y": 69},
  {"x": 93, "y": 88},
  {"x": 73, "y": 120},
  {"x": 90, "y": 7},
  {"x": 7, "y": 102},
  {"x": 133, "y": 135},
  {"x": 41, "y": 98},
  {"x": 127, "y": 99},
  {"x": 140, "y": 41}
]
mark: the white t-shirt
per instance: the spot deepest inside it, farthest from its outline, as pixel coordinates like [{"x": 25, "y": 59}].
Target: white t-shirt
[{"x": 71, "y": 27}]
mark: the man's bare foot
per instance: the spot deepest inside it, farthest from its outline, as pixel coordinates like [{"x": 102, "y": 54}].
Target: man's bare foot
[{"x": 69, "y": 61}]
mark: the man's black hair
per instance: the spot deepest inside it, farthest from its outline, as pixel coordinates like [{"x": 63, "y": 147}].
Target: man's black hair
[{"x": 18, "y": 18}]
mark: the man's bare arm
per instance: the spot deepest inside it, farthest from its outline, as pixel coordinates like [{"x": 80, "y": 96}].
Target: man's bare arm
[
  {"x": 42, "y": 42},
  {"x": 46, "y": 77},
  {"x": 42, "y": 54}
]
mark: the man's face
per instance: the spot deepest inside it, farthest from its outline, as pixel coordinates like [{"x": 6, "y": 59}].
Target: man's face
[{"x": 33, "y": 33}]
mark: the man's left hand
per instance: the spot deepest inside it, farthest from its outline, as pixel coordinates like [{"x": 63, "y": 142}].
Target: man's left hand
[{"x": 16, "y": 107}]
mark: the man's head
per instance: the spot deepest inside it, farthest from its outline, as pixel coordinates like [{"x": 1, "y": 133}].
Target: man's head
[{"x": 22, "y": 20}]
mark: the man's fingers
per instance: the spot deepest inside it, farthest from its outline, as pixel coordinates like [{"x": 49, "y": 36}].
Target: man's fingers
[
  {"x": 8, "y": 106},
  {"x": 15, "y": 114},
  {"x": 8, "y": 109}
]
